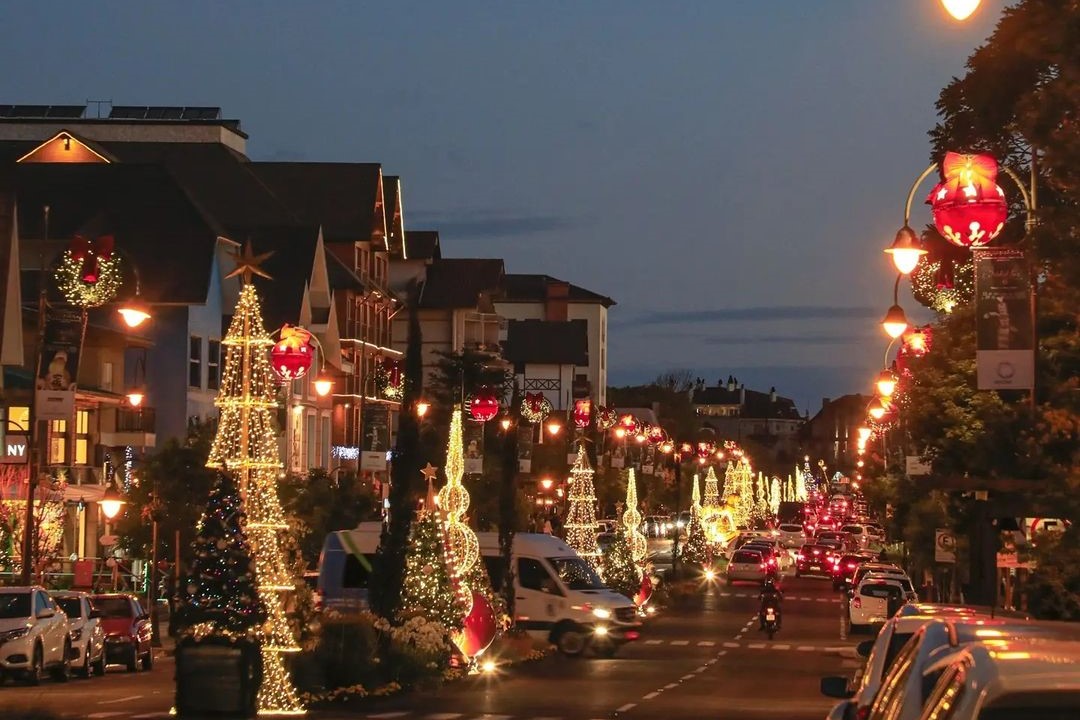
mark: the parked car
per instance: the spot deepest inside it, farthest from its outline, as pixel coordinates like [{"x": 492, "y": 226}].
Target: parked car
[
  {"x": 747, "y": 565},
  {"x": 813, "y": 560},
  {"x": 87, "y": 635},
  {"x": 791, "y": 535},
  {"x": 127, "y": 631},
  {"x": 34, "y": 635},
  {"x": 874, "y": 601}
]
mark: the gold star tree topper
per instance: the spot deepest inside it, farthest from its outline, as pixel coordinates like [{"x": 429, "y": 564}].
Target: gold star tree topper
[{"x": 247, "y": 263}]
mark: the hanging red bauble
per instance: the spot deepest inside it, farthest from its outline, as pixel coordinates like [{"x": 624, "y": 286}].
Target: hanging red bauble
[
  {"x": 968, "y": 205},
  {"x": 705, "y": 449},
  {"x": 582, "y": 412},
  {"x": 292, "y": 354},
  {"x": 916, "y": 341},
  {"x": 656, "y": 434},
  {"x": 606, "y": 418},
  {"x": 484, "y": 405},
  {"x": 478, "y": 629},
  {"x": 628, "y": 423}
]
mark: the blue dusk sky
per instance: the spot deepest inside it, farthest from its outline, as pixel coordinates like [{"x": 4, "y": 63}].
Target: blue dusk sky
[{"x": 728, "y": 171}]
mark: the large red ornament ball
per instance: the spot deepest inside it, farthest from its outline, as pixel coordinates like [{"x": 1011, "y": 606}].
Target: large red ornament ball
[
  {"x": 969, "y": 207},
  {"x": 582, "y": 412},
  {"x": 478, "y": 630},
  {"x": 484, "y": 405},
  {"x": 292, "y": 354}
]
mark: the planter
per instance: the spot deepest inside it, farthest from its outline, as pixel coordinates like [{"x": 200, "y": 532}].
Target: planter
[{"x": 216, "y": 678}]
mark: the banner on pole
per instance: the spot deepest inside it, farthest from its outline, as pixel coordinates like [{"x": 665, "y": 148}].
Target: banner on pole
[
  {"x": 1005, "y": 354},
  {"x": 376, "y": 440},
  {"x": 525, "y": 448},
  {"x": 473, "y": 438},
  {"x": 58, "y": 371}
]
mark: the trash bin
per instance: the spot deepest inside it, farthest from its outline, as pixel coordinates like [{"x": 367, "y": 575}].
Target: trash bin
[{"x": 215, "y": 677}]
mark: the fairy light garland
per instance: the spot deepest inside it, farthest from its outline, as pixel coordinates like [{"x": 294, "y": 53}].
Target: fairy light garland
[
  {"x": 246, "y": 444},
  {"x": 581, "y": 528},
  {"x": 631, "y": 520},
  {"x": 69, "y": 280},
  {"x": 927, "y": 286},
  {"x": 454, "y": 501}
]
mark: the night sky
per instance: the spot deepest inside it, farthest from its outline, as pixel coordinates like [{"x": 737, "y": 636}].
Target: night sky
[{"x": 728, "y": 172}]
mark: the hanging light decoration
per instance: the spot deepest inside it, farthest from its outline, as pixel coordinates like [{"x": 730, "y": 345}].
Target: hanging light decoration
[
  {"x": 917, "y": 341},
  {"x": 969, "y": 207},
  {"x": 389, "y": 378},
  {"x": 292, "y": 355},
  {"x": 606, "y": 418},
  {"x": 535, "y": 407},
  {"x": 961, "y": 9},
  {"x": 484, "y": 404},
  {"x": 944, "y": 284},
  {"x": 895, "y": 322},
  {"x": 656, "y": 434},
  {"x": 582, "y": 413},
  {"x": 628, "y": 423},
  {"x": 89, "y": 274}
]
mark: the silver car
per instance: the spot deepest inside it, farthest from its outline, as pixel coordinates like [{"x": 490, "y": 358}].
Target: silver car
[{"x": 747, "y": 565}]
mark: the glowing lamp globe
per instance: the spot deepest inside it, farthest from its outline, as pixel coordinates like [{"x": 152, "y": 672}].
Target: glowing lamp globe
[
  {"x": 906, "y": 250},
  {"x": 323, "y": 385},
  {"x": 582, "y": 413},
  {"x": 135, "y": 397},
  {"x": 134, "y": 313},
  {"x": 111, "y": 502},
  {"x": 656, "y": 434},
  {"x": 484, "y": 405},
  {"x": 969, "y": 207},
  {"x": 961, "y": 9},
  {"x": 876, "y": 409},
  {"x": 292, "y": 354},
  {"x": 628, "y": 423},
  {"x": 422, "y": 407},
  {"x": 886, "y": 383},
  {"x": 895, "y": 322}
]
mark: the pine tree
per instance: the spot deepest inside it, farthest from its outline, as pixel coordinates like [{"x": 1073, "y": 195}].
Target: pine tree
[
  {"x": 431, "y": 586},
  {"x": 696, "y": 548},
  {"x": 621, "y": 573},
  {"x": 581, "y": 528},
  {"x": 220, "y": 597},
  {"x": 246, "y": 445}
]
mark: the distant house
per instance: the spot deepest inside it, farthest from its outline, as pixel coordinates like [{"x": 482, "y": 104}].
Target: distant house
[
  {"x": 738, "y": 413},
  {"x": 832, "y": 434},
  {"x": 548, "y": 357}
]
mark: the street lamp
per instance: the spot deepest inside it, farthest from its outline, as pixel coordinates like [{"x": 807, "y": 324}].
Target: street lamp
[
  {"x": 134, "y": 312},
  {"x": 895, "y": 322},
  {"x": 876, "y": 409},
  {"x": 323, "y": 385},
  {"x": 886, "y": 383},
  {"x": 422, "y": 407},
  {"x": 906, "y": 250},
  {"x": 111, "y": 502},
  {"x": 505, "y": 422},
  {"x": 960, "y": 9}
]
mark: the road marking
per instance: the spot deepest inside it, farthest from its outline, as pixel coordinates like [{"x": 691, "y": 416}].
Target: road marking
[
  {"x": 731, "y": 644},
  {"x": 806, "y": 648},
  {"x": 723, "y": 594},
  {"x": 702, "y": 669},
  {"x": 443, "y": 716},
  {"x": 823, "y": 600},
  {"x": 756, "y": 646},
  {"x": 680, "y": 642},
  {"x": 150, "y": 716},
  {"x": 705, "y": 643},
  {"x": 688, "y": 676},
  {"x": 780, "y": 647},
  {"x": 119, "y": 700},
  {"x": 722, "y": 652},
  {"x": 388, "y": 715},
  {"x": 739, "y": 636},
  {"x": 671, "y": 685},
  {"x": 653, "y": 642},
  {"x": 626, "y": 708},
  {"x": 650, "y": 696}
]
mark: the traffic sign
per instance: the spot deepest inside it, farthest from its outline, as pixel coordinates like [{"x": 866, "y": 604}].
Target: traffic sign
[{"x": 944, "y": 546}]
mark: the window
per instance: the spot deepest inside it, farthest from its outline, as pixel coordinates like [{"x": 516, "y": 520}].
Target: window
[
  {"x": 576, "y": 574},
  {"x": 311, "y": 445},
  {"x": 41, "y": 602},
  {"x": 18, "y": 420},
  {"x": 57, "y": 442},
  {"x": 532, "y": 575},
  {"x": 82, "y": 436},
  {"x": 106, "y": 375},
  {"x": 213, "y": 364},
  {"x": 746, "y": 557},
  {"x": 195, "y": 362}
]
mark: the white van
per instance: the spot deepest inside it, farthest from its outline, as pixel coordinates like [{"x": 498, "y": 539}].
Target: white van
[{"x": 557, "y": 595}]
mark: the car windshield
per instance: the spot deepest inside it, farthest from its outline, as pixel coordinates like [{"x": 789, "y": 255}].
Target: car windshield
[
  {"x": 880, "y": 591},
  {"x": 71, "y": 606},
  {"x": 113, "y": 607},
  {"x": 14, "y": 605},
  {"x": 576, "y": 574}
]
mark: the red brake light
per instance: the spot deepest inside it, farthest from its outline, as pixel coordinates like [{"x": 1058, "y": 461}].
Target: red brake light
[
  {"x": 762, "y": 566},
  {"x": 851, "y": 565},
  {"x": 862, "y": 712},
  {"x": 856, "y": 603},
  {"x": 817, "y": 552}
]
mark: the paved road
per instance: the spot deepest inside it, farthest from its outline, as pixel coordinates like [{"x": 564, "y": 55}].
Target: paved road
[{"x": 710, "y": 662}]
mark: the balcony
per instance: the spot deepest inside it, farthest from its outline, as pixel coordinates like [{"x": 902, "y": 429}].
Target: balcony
[{"x": 128, "y": 426}]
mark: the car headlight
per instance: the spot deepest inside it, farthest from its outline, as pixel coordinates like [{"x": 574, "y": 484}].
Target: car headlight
[
  {"x": 76, "y": 635},
  {"x": 14, "y": 634},
  {"x": 602, "y": 613}
]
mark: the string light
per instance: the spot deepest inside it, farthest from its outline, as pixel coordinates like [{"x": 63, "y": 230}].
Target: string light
[
  {"x": 631, "y": 520},
  {"x": 246, "y": 445},
  {"x": 454, "y": 501},
  {"x": 936, "y": 288},
  {"x": 581, "y": 528},
  {"x": 69, "y": 279}
]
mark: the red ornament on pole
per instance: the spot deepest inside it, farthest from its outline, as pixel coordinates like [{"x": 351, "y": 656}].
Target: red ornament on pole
[
  {"x": 968, "y": 205},
  {"x": 629, "y": 424},
  {"x": 605, "y": 418},
  {"x": 292, "y": 354},
  {"x": 582, "y": 412},
  {"x": 484, "y": 405},
  {"x": 656, "y": 434}
]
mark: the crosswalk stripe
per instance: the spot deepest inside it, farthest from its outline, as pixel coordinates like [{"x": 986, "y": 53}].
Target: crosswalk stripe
[
  {"x": 680, "y": 642},
  {"x": 731, "y": 644},
  {"x": 443, "y": 716},
  {"x": 806, "y": 648},
  {"x": 705, "y": 643},
  {"x": 756, "y": 646},
  {"x": 780, "y": 647},
  {"x": 653, "y": 642}
]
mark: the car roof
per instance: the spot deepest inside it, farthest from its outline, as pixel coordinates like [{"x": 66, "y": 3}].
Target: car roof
[
  {"x": 20, "y": 589},
  {"x": 70, "y": 593},
  {"x": 1016, "y": 665}
]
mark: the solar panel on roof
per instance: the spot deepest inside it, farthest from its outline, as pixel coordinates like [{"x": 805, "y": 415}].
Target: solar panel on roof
[
  {"x": 29, "y": 111},
  {"x": 128, "y": 112},
  {"x": 67, "y": 111}
]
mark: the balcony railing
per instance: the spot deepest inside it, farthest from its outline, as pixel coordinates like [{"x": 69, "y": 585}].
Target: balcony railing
[{"x": 135, "y": 420}]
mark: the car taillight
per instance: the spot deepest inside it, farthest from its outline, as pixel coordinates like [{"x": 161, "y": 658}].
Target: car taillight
[
  {"x": 850, "y": 566},
  {"x": 856, "y": 603},
  {"x": 772, "y": 561},
  {"x": 762, "y": 566},
  {"x": 862, "y": 712}
]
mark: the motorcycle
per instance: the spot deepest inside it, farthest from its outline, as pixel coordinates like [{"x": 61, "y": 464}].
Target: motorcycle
[{"x": 772, "y": 623}]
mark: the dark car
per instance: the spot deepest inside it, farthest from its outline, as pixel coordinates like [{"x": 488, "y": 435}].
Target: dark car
[
  {"x": 813, "y": 560},
  {"x": 843, "y": 568},
  {"x": 127, "y": 631}
]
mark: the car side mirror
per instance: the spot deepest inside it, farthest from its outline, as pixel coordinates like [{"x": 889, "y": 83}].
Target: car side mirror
[
  {"x": 47, "y": 613},
  {"x": 836, "y": 687},
  {"x": 863, "y": 649}
]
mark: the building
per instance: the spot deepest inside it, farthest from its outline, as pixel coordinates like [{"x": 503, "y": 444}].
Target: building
[
  {"x": 549, "y": 357},
  {"x": 832, "y": 434},
  {"x": 548, "y": 299},
  {"x": 740, "y": 414}
]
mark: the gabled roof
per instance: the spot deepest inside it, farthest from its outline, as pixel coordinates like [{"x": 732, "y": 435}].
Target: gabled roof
[
  {"x": 395, "y": 228},
  {"x": 152, "y": 218},
  {"x": 752, "y": 403},
  {"x": 66, "y": 146},
  {"x": 340, "y": 197},
  {"x": 544, "y": 342},
  {"x": 518, "y": 287},
  {"x": 423, "y": 244},
  {"x": 460, "y": 282},
  {"x": 289, "y": 268}
]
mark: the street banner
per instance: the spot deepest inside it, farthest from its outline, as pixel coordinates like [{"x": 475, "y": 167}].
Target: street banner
[
  {"x": 58, "y": 371},
  {"x": 618, "y": 455},
  {"x": 525, "y": 448},
  {"x": 649, "y": 460},
  {"x": 376, "y": 439},
  {"x": 944, "y": 546},
  {"x": 473, "y": 438},
  {"x": 916, "y": 466},
  {"x": 1005, "y": 357}
]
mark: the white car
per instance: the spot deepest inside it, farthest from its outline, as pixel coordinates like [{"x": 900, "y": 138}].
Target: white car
[
  {"x": 857, "y": 534},
  {"x": 34, "y": 635},
  {"x": 874, "y": 601},
  {"x": 87, "y": 635},
  {"x": 747, "y": 565},
  {"x": 901, "y": 578},
  {"x": 791, "y": 535}
]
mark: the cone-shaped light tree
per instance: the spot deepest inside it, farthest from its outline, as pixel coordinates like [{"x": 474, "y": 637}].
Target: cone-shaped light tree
[
  {"x": 246, "y": 445},
  {"x": 581, "y": 528},
  {"x": 696, "y": 548},
  {"x": 774, "y": 495},
  {"x": 631, "y": 521},
  {"x": 454, "y": 501}
]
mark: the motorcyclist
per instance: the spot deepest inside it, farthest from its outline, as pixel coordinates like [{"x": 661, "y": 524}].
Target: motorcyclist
[{"x": 771, "y": 595}]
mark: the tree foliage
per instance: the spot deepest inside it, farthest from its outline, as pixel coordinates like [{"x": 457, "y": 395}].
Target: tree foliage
[
  {"x": 319, "y": 502},
  {"x": 620, "y": 572}
]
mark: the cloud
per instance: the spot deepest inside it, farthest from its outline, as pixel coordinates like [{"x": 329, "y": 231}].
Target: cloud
[
  {"x": 752, "y": 314},
  {"x": 486, "y": 224}
]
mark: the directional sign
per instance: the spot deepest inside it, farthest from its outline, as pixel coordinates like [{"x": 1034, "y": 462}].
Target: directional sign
[{"x": 944, "y": 546}]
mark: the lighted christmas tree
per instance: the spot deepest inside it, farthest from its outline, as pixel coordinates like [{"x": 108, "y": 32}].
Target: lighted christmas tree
[
  {"x": 220, "y": 597},
  {"x": 696, "y": 548},
  {"x": 710, "y": 505},
  {"x": 789, "y": 488},
  {"x": 432, "y": 587},
  {"x": 581, "y": 528},
  {"x": 744, "y": 494},
  {"x": 695, "y": 497},
  {"x": 246, "y": 445},
  {"x": 774, "y": 495},
  {"x": 730, "y": 481},
  {"x": 621, "y": 573},
  {"x": 454, "y": 502},
  {"x": 631, "y": 523},
  {"x": 800, "y": 486}
]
